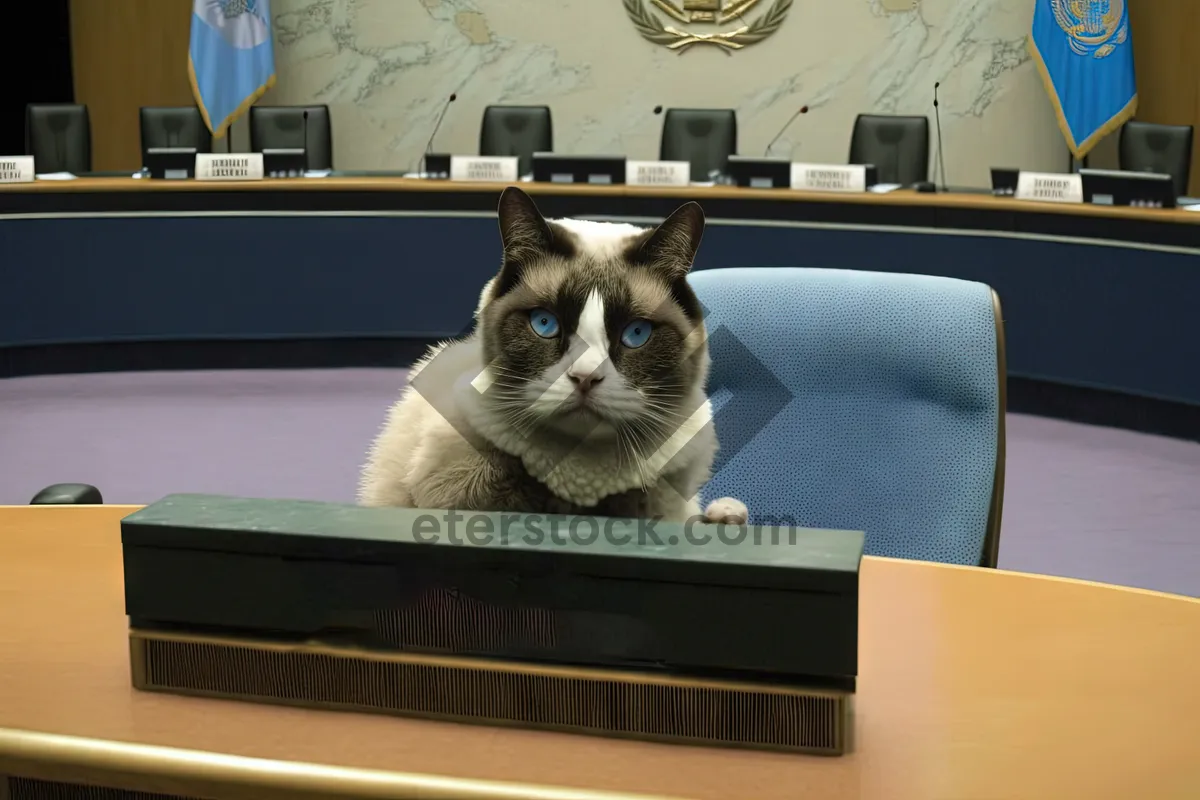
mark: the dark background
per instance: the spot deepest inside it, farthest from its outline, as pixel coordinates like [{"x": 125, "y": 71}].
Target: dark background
[{"x": 37, "y": 73}]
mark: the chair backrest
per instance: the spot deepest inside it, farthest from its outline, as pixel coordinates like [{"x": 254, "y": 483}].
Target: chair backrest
[
  {"x": 174, "y": 126},
  {"x": 897, "y": 146},
  {"x": 517, "y": 131},
  {"x": 273, "y": 127},
  {"x": 860, "y": 401},
  {"x": 705, "y": 137},
  {"x": 59, "y": 137},
  {"x": 1150, "y": 147}
]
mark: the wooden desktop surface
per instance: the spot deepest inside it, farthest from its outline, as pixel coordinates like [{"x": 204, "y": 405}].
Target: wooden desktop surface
[
  {"x": 973, "y": 684},
  {"x": 698, "y": 193}
]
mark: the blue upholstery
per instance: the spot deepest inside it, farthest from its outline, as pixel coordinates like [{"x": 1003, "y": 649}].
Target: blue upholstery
[{"x": 857, "y": 401}]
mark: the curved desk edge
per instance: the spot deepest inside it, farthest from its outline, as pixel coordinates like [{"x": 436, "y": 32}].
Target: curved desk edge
[
  {"x": 144, "y": 768},
  {"x": 1035, "y": 576},
  {"x": 380, "y": 183}
]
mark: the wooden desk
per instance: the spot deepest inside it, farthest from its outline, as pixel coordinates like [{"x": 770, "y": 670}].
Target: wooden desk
[
  {"x": 702, "y": 194},
  {"x": 973, "y": 684}
]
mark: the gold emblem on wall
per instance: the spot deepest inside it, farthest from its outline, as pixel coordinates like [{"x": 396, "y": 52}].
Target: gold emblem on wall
[{"x": 661, "y": 21}]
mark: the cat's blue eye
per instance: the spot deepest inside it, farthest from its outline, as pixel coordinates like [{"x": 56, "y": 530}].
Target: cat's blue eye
[
  {"x": 636, "y": 333},
  {"x": 544, "y": 323}
]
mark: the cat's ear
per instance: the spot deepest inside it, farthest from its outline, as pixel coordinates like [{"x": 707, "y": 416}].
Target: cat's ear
[
  {"x": 523, "y": 230},
  {"x": 671, "y": 247}
]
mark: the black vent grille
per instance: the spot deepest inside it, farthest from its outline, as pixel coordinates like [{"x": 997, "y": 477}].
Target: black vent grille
[
  {"x": 453, "y": 622},
  {"x": 587, "y": 701},
  {"x": 31, "y": 789}
]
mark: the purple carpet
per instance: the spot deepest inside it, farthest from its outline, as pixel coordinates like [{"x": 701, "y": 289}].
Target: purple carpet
[{"x": 1080, "y": 501}]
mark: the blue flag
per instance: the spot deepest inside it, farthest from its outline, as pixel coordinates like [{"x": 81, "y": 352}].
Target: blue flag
[
  {"x": 231, "y": 61},
  {"x": 1084, "y": 51}
]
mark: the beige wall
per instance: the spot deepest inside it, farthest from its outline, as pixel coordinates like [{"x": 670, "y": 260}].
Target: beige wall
[{"x": 386, "y": 66}]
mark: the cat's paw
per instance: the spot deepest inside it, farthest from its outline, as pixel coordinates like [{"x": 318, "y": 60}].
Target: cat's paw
[{"x": 728, "y": 511}]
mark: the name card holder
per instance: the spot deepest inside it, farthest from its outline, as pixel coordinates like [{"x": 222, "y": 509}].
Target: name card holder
[
  {"x": 16, "y": 169},
  {"x": 229, "y": 166},
  {"x": 1050, "y": 187},
  {"x": 658, "y": 173},
  {"x": 829, "y": 177},
  {"x": 492, "y": 169}
]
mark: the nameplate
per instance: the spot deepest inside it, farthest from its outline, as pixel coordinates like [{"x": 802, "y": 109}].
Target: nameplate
[
  {"x": 1050, "y": 187},
  {"x": 658, "y": 173},
  {"x": 229, "y": 166},
  {"x": 495, "y": 169},
  {"x": 829, "y": 177},
  {"x": 16, "y": 169}
]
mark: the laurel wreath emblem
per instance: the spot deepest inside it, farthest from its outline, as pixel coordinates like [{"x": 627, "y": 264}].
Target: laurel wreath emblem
[{"x": 652, "y": 29}]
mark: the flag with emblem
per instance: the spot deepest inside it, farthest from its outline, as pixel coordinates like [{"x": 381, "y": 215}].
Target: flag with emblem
[
  {"x": 231, "y": 61},
  {"x": 1084, "y": 50}
]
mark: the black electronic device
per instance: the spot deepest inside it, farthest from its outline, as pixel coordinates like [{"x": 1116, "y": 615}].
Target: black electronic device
[
  {"x": 739, "y": 635},
  {"x": 288, "y": 162},
  {"x": 284, "y": 162},
  {"x": 1123, "y": 188},
  {"x": 561, "y": 168},
  {"x": 872, "y": 174},
  {"x": 1004, "y": 181},
  {"x": 171, "y": 163},
  {"x": 437, "y": 165},
  {"x": 760, "y": 173}
]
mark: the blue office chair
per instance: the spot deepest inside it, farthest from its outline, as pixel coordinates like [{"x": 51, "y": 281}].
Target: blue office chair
[{"x": 860, "y": 401}]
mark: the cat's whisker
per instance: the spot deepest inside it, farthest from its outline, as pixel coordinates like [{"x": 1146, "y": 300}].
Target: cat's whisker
[{"x": 636, "y": 459}]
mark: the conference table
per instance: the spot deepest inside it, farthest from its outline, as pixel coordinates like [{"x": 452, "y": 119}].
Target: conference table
[
  {"x": 973, "y": 683},
  {"x": 1093, "y": 296}
]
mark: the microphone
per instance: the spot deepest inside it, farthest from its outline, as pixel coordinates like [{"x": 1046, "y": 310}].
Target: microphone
[
  {"x": 937, "y": 115},
  {"x": 788, "y": 124},
  {"x": 438, "y": 125}
]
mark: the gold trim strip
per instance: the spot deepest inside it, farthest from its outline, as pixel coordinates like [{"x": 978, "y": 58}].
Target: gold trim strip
[
  {"x": 821, "y": 727},
  {"x": 824, "y": 730},
  {"x": 167, "y": 770},
  {"x": 465, "y": 662}
]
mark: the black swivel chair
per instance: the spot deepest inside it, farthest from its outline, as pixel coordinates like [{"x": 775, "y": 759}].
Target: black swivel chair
[
  {"x": 59, "y": 137},
  {"x": 897, "y": 146},
  {"x": 517, "y": 131},
  {"x": 1166, "y": 149},
  {"x": 704, "y": 137},
  {"x": 174, "y": 126},
  {"x": 282, "y": 127}
]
